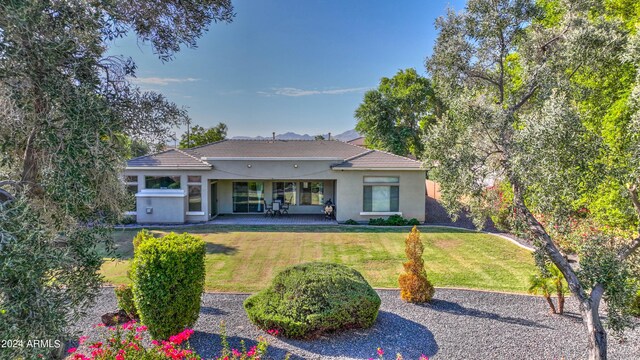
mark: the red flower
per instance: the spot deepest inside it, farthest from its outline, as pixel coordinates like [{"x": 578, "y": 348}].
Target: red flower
[{"x": 72, "y": 350}]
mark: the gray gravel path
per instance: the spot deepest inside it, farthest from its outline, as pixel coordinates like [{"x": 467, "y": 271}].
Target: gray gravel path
[{"x": 459, "y": 324}]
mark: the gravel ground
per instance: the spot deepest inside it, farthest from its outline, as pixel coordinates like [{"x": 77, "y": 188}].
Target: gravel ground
[{"x": 458, "y": 324}]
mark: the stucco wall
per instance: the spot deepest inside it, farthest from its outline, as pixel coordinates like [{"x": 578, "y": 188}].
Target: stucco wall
[{"x": 348, "y": 193}]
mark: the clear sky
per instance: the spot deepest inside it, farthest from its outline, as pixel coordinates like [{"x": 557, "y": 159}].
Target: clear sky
[{"x": 291, "y": 65}]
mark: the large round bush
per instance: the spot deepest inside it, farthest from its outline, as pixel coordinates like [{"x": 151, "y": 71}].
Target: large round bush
[
  {"x": 309, "y": 299},
  {"x": 168, "y": 282}
]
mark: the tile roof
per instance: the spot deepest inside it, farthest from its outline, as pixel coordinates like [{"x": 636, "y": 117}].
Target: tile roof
[
  {"x": 173, "y": 158},
  {"x": 234, "y": 148},
  {"x": 347, "y": 156},
  {"x": 375, "y": 159},
  {"x": 357, "y": 141}
]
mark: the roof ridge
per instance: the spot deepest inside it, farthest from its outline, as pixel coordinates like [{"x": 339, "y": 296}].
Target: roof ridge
[
  {"x": 367, "y": 151},
  {"x": 191, "y": 156}
]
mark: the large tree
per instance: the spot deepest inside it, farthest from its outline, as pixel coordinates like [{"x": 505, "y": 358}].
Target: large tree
[
  {"x": 393, "y": 117},
  {"x": 68, "y": 114},
  {"x": 505, "y": 70},
  {"x": 198, "y": 135}
]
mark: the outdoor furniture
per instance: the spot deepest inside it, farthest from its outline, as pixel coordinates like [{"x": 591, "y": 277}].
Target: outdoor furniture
[
  {"x": 276, "y": 208},
  {"x": 285, "y": 207},
  {"x": 329, "y": 212},
  {"x": 268, "y": 209}
]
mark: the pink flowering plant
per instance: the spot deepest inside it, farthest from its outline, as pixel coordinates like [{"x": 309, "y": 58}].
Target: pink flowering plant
[{"x": 126, "y": 341}]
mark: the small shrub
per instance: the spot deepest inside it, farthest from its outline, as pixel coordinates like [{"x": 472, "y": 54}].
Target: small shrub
[
  {"x": 635, "y": 305},
  {"x": 396, "y": 220},
  {"x": 413, "y": 222},
  {"x": 168, "y": 281},
  {"x": 124, "y": 295},
  {"x": 378, "y": 221},
  {"x": 351, "y": 222},
  {"x": 414, "y": 285},
  {"x": 307, "y": 300}
]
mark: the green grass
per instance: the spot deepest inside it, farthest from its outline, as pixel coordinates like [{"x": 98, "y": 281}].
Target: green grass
[{"x": 245, "y": 259}]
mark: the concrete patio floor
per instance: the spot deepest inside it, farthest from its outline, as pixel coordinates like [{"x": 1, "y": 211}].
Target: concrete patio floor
[{"x": 259, "y": 219}]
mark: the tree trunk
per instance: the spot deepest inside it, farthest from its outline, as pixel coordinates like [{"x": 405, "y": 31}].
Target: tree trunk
[
  {"x": 550, "y": 302},
  {"x": 560, "y": 303},
  {"x": 595, "y": 330}
]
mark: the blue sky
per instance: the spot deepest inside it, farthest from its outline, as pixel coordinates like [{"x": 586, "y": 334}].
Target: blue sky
[{"x": 291, "y": 65}]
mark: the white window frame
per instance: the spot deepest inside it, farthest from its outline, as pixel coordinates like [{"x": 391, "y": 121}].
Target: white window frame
[{"x": 199, "y": 184}]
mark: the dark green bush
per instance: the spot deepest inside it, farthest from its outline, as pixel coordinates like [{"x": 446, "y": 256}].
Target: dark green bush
[
  {"x": 413, "y": 222},
  {"x": 378, "y": 221},
  {"x": 351, "y": 222},
  {"x": 396, "y": 220},
  {"x": 168, "y": 281},
  {"x": 124, "y": 295},
  {"x": 307, "y": 300},
  {"x": 635, "y": 305}
]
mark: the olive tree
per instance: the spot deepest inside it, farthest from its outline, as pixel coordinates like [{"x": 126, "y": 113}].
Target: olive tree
[
  {"x": 68, "y": 114},
  {"x": 504, "y": 70}
]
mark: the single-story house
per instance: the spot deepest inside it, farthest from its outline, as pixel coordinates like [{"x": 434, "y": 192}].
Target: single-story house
[{"x": 241, "y": 176}]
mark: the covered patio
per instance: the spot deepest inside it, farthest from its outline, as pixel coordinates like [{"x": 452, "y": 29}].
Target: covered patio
[{"x": 259, "y": 219}]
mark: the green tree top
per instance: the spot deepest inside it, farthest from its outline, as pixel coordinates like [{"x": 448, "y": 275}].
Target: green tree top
[
  {"x": 200, "y": 136},
  {"x": 394, "y": 116}
]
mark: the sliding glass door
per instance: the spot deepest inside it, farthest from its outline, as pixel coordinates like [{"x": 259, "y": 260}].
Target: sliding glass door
[{"x": 248, "y": 197}]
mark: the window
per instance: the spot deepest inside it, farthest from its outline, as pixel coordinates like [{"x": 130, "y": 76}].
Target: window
[
  {"x": 381, "y": 197},
  {"x": 162, "y": 182},
  {"x": 248, "y": 197},
  {"x": 312, "y": 193},
  {"x": 132, "y": 190},
  {"x": 285, "y": 192},
  {"x": 194, "y": 189}
]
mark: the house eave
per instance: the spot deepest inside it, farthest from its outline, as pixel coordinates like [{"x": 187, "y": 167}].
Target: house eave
[
  {"x": 201, "y": 168},
  {"x": 336, "y": 168},
  {"x": 206, "y": 158}
]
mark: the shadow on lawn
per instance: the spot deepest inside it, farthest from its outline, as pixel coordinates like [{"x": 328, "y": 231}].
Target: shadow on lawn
[
  {"x": 457, "y": 309},
  {"x": 391, "y": 332},
  {"x": 220, "y": 249}
]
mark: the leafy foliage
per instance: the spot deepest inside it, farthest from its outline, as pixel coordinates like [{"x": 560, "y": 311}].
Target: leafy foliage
[
  {"x": 351, "y": 222},
  {"x": 68, "y": 113},
  {"x": 310, "y": 299},
  {"x": 393, "y": 220},
  {"x": 200, "y": 136},
  {"x": 414, "y": 285},
  {"x": 546, "y": 281},
  {"x": 168, "y": 280},
  {"x": 124, "y": 296},
  {"x": 394, "y": 116}
]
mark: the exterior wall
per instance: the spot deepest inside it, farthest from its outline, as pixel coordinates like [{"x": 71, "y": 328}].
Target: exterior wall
[
  {"x": 157, "y": 207},
  {"x": 344, "y": 187},
  {"x": 350, "y": 192},
  {"x": 433, "y": 189}
]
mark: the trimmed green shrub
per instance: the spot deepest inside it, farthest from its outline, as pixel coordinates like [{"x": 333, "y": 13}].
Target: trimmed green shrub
[
  {"x": 396, "y": 220},
  {"x": 124, "y": 296},
  {"x": 413, "y": 222},
  {"x": 351, "y": 222},
  {"x": 377, "y": 221},
  {"x": 310, "y": 299},
  {"x": 635, "y": 305},
  {"x": 168, "y": 281}
]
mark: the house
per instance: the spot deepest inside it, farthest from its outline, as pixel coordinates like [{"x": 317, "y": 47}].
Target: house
[
  {"x": 359, "y": 141},
  {"x": 240, "y": 176}
]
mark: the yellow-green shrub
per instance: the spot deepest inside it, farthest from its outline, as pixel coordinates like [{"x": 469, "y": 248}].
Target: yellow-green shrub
[{"x": 414, "y": 285}]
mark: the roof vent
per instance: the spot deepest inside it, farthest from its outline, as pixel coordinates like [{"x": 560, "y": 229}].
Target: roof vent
[{"x": 274, "y": 135}]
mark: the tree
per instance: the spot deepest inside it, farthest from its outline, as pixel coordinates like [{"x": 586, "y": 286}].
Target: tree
[
  {"x": 546, "y": 281},
  {"x": 541, "y": 285},
  {"x": 201, "y": 136},
  {"x": 504, "y": 70},
  {"x": 68, "y": 113},
  {"x": 394, "y": 116},
  {"x": 414, "y": 285},
  {"x": 318, "y": 137}
]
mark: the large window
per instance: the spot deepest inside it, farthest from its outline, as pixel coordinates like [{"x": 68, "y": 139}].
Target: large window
[
  {"x": 312, "y": 193},
  {"x": 162, "y": 182},
  {"x": 132, "y": 189},
  {"x": 380, "y": 195},
  {"x": 195, "y": 193},
  {"x": 285, "y": 192},
  {"x": 248, "y": 197}
]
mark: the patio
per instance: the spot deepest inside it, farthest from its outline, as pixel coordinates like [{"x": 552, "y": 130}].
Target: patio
[{"x": 259, "y": 219}]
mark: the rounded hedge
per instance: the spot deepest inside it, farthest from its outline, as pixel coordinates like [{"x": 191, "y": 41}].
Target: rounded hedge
[
  {"x": 168, "y": 281},
  {"x": 310, "y": 299}
]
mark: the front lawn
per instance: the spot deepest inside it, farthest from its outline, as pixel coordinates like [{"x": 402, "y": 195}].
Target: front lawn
[{"x": 245, "y": 259}]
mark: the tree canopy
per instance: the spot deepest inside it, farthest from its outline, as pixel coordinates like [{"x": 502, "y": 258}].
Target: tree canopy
[
  {"x": 394, "y": 116},
  {"x": 200, "y": 136},
  {"x": 510, "y": 75},
  {"x": 68, "y": 113}
]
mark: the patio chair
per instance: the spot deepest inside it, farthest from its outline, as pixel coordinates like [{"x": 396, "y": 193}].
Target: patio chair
[
  {"x": 328, "y": 212},
  {"x": 268, "y": 209},
  {"x": 285, "y": 207}
]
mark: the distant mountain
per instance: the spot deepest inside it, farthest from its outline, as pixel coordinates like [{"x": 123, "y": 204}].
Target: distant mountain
[{"x": 345, "y": 136}]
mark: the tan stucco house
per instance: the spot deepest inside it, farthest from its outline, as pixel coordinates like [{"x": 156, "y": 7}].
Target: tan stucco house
[{"x": 241, "y": 176}]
